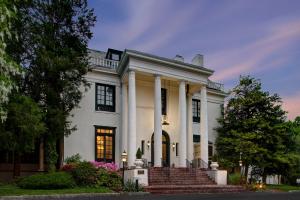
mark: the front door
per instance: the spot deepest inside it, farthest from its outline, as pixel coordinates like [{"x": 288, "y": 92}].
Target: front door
[{"x": 165, "y": 149}]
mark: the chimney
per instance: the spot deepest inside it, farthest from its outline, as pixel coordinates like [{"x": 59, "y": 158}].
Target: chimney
[
  {"x": 198, "y": 60},
  {"x": 179, "y": 58}
]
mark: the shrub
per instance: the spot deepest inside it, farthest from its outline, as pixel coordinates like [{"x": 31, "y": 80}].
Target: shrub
[
  {"x": 84, "y": 174},
  {"x": 129, "y": 186},
  {"x": 112, "y": 167},
  {"x": 73, "y": 159},
  {"x": 109, "y": 179},
  {"x": 56, "y": 180},
  {"x": 69, "y": 167},
  {"x": 138, "y": 154},
  {"x": 234, "y": 179}
]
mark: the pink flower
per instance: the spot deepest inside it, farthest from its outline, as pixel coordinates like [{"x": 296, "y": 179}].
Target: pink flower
[{"x": 112, "y": 167}]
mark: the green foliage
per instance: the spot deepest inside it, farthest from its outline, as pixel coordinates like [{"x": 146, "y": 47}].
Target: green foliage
[
  {"x": 73, "y": 159},
  {"x": 13, "y": 190},
  {"x": 84, "y": 173},
  {"x": 109, "y": 179},
  {"x": 130, "y": 186},
  {"x": 138, "y": 154},
  {"x": 8, "y": 68},
  {"x": 23, "y": 126},
  {"x": 293, "y": 172},
  {"x": 57, "y": 180},
  {"x": 234, "y": 179},
  {"x": 253, "y": 123},
  {"x": 53, "y": 51}
]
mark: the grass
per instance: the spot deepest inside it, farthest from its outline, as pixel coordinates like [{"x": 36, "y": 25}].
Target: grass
[
  {"x": 284, "y": 188},
  {"x": 12, "y": 190}
]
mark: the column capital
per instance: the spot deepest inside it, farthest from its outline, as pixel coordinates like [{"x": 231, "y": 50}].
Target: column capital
[
  {"x": 131, "y": 71},
  {"x": 182, "y": 81},
  {"x": 203, "y": 86},
  {"x": 157, "y": 75}
]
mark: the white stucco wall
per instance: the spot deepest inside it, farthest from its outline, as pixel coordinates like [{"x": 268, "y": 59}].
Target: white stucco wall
[
  {"x": 85, "y": 117},
  {"x": 82, "y": 140}
]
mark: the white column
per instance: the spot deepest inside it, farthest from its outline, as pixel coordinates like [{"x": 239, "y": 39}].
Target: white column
[
  {"x": 157, "y": 123},
  {"x": 124, "y": 118},
  {"x": 190, "y": 146},
  {"x": 204, "y": 126},
  {"x": 182, "y": 124},
  {"x": 131, "y": 119}
]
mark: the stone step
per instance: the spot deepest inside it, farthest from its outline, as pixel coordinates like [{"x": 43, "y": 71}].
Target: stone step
[
  {"x": 178, "y": 176},
  {"x": 175, "y": 189}
]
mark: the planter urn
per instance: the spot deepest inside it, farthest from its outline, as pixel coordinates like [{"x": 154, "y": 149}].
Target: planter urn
[{"x": 214, "y": 165}]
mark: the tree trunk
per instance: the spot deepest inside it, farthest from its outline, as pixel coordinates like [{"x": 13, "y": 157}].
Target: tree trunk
[
  {"x": 60, "y": 152},
  {"x": 17, "y": 165},
  {"x": 41, "y": 155},
  {"x": 246, "y": 172},
  {"x": 264, "y": 178}
]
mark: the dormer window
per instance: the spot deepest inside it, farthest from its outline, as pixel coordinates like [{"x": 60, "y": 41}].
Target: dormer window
[{"x": 115, "y": 57}]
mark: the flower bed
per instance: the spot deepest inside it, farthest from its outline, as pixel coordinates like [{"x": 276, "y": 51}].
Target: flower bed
[{"x": 112, "y": 167}]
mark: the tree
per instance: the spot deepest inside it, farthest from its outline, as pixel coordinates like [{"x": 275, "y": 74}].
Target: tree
[
  {"x": 253, "y": 124},
  {"x": 53, "y": 37},
  {"x": 293, "y": 129},
  {"x": 24, "y": 125},
  {"x": 8, "y": 67}
]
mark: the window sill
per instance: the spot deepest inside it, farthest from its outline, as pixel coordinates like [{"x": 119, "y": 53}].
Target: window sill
[{"x": 106, "y": 112}]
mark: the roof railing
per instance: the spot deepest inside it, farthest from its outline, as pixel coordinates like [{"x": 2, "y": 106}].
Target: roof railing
[
  {"x": 102, "y": 62},
  {"x": 215, "y": 85}
]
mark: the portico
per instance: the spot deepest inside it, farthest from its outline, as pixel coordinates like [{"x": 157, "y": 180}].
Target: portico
[{"x": 183, "y": 87}]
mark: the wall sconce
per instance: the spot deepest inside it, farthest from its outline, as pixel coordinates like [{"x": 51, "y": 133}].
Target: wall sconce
[
  {"x": 165, "y": 120},
  {"x": 148, "y": 144},
  {"x": 173, "y": 146}
]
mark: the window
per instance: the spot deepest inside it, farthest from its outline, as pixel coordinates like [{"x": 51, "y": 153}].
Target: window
[
  {"x": 105, "y": 144},
  {"x": 210, "y": 150},
  {"x": 143, "y": 146},
  {"x": 196, "y": 138},
  {"x": 105, "y": 97},
  {"x": 163, "y": 101},
  {"x": 115, "y": 57},
  {"x": 196, "y": 110}
]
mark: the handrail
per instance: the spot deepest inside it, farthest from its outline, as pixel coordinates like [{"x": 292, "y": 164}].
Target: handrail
[{"x": 197, "y": 163}]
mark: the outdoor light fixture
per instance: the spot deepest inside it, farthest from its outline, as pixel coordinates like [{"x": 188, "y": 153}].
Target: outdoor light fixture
[
  {"x": 173, "y": 146},
  {"x": 241, "y": 162},
  {"x": 124, "y": 159},
  {"x": 124, "y": 156},
  {"x": 165, "y": 120},
  {"x": 148, "y": 144}
]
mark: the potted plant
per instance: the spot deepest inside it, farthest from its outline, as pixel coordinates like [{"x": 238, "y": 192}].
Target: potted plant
[
  {"x": 214, "y": 164},
  {"x": 138, "y": 161}
]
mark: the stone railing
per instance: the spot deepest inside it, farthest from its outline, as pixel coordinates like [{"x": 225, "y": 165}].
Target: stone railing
[
  {"x": 102, "y": 62},
  {"x": 215, "y": 85}
]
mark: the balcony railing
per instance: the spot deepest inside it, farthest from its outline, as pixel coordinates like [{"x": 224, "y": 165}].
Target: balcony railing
[
  {"x": 102, "y": 62},
  {"x": 215, "y": 85}
]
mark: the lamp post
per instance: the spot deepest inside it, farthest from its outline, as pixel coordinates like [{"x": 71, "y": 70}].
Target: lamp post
[
  {"x": 241, "y": 164},
  {"x": 124, "y": 159}
]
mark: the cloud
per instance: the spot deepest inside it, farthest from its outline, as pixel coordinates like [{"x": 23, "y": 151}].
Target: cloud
[
  {"x": 253, "y": 56},
  {"x": 140, "y": 18},
  {"x": 292, "y": 105},
  {"x": 171, "y": 24}
]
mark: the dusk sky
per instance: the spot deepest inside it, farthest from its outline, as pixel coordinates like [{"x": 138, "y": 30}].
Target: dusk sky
[{"x": 260, "y": 38}]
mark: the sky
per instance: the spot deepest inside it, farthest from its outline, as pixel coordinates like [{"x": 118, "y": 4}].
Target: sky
[{"x": 260, "y": 38}]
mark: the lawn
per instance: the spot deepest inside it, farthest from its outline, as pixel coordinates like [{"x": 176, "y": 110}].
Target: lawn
[
  {"x": 284, "y": 188},
  {"x": 12, "y": 190}
]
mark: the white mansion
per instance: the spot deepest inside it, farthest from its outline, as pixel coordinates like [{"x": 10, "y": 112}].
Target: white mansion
[{"x": 166, "y": 107}]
